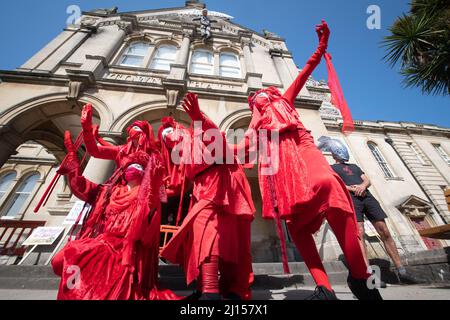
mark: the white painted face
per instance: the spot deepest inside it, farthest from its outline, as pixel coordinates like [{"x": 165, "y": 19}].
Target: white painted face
[
  {"x": 136, "y": 166},
  {"x": 263, "y": 95},
  {"x": 166, "y": 132}
]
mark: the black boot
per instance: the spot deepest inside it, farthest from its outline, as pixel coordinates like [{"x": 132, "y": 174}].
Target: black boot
[
  {"x": 233, "y": 296},
  {"x": 211, "y": 297},
  {"x": 322, "y": 293},
  {"x": 407, "y": 278},
  {"x": 196, "y": 295},
  {"x": 361, "y": 291}
]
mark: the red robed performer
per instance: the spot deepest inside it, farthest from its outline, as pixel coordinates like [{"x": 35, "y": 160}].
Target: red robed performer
[
  {"x": 115, "y": 255},
  {"x": 140, "y": 138},
  {"x": 176, "y": 182},
  {"x": 303, "y": 189},
  {"x": 215, "y": 235}
]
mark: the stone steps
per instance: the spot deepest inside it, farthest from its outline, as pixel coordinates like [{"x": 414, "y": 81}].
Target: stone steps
[
  {"x": 267, "y": 275},
  {"x": 430, "y": 266}
]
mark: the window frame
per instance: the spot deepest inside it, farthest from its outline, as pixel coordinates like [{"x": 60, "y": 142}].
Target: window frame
[
  {"x": 191, "y": 64},
  {"x": 154, "y": 57},
  {"x": 10, "y": 200},
  {"x": 238, "y": 62},
  {"x": 417, "y": 153},
  {"x": 381, "y": 160},
  {"x": 10, "y": 187},
  {"x": 146, "y": 58},
  {"x": 442, "y": 152}
]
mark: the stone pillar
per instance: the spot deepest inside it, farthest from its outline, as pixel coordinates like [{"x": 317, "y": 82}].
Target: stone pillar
[
  {"x": 282, "y": 68},
  {"x": 254, "y": 80},
  {"x": 178, "y": 70},
  {"x": 103, "y": 45}
]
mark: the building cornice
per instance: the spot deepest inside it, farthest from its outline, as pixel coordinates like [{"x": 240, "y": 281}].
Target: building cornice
[{"x": 385, "y": 127}]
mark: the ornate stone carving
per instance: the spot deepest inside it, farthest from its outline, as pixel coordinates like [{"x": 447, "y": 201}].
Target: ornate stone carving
[
  {"x": 107, "y": 12},
  {"x": 74, "y": 90},
  {"x": 172, "y": 98}
]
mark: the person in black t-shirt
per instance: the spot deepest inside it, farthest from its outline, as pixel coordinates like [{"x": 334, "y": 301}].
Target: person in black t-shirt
[{"x": 366, "y": 205}]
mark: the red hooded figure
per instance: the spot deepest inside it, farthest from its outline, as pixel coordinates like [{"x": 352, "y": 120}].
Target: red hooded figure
[
  {"x": 302, "y": 188},
  {"x": 215, "y": 235},
  {"x": 140, "y": 138},
  {"x": 115, "y": 254}
]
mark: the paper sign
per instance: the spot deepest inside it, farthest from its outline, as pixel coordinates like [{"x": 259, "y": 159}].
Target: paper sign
[
  {"x": 72, "y": 217},
  {"x": 43, "y": 236}
]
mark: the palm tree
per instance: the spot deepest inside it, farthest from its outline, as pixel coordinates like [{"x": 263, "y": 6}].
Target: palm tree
[{"x": 420, "y": 43}]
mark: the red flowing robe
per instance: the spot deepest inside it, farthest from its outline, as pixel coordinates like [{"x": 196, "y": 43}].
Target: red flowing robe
[
  {"x": 303, "y": 184},
  {"x": 223, "y": 211},
  {"x": 95, "y": 267}
]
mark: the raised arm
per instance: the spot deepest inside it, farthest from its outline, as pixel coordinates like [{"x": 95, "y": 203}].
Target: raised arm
[
  {"x": 192, "y": 107},
  {"x": 293, "y": 91},
  {"x": 81, "y": 187},
  {"x": 97, "y": 151}
]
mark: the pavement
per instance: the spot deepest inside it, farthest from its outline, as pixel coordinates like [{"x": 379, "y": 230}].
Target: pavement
[{"x": 392, "y": 292}]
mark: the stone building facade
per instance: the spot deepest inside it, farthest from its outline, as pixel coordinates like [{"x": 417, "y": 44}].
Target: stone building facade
[{"x": 138, "y": 65}]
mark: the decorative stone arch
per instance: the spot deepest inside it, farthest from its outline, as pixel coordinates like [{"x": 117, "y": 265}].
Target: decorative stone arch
[
  {"x": 236, "y": 119},
  {"x": 8, "y": 169},
  {"x": 201, "y": 46},
  {"x": 138, "y": 37},
  {"x": 25, "y": 173},
  {"x": 32, "y": 120},
  {"x": 34, "y": 104},
  {"x": 167, "y": 41},
  {"x": 229, "y": 48},
  {"x": 151, "y": 111}
]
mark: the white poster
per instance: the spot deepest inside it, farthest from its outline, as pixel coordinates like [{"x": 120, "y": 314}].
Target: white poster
[
  {"x": 43, "y": 236},
  {"x": 72, "y": 217}
]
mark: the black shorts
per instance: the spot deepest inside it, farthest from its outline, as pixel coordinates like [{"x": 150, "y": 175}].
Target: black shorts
[{"x": 368, "y": 206}]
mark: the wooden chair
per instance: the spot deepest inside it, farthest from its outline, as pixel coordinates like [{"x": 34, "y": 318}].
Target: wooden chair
[{"x": 167, "y": 233}]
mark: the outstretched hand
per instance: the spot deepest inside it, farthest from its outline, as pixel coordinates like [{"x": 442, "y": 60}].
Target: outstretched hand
[
  {"x": 68, "y": 142},
  {"x": 323, "y": 32},
  {"x": 86, "y": 117},
  {"x": 70, "y": 163},
  {"x": 191, "y": 106}
]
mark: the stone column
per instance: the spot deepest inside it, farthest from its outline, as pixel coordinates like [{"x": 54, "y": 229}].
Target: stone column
[
  {"x": 254, "y": 80},
  {"x": 280, "y": 65},
  {"x": 103, "y": 46},
  {"x": 178, "y": 70}
]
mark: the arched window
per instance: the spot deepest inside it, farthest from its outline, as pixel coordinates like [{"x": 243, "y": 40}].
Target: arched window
[
  {"x": 5, "y": 184},
  {"x": 202, "y": 62},
  {"x": 20, "y": 196},
  {"x": 381, "y": 160},
  {"x": 165, "y": 55},
  {"x": 135, "y": 55},
  {"x": 230, "y": 65}
]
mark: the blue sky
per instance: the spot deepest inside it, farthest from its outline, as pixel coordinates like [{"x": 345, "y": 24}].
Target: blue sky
[{"x": 373, "y": 90}]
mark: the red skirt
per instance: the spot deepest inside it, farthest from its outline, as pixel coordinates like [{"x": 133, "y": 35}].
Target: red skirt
[
  {"x": 304, "y": 184},
  {"x": 194, "y": 242}
]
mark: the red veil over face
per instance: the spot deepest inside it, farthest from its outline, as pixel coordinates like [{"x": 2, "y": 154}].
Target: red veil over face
[
  {"x": 175, "y": 172},
  {"x": 146, "y": 141}
]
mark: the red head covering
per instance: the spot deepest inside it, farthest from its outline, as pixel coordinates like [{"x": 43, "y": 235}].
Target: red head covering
[
  {"x": 272, "y": 92},
  {"x": 146, "y": 141}
]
